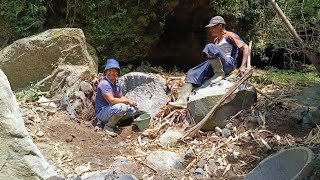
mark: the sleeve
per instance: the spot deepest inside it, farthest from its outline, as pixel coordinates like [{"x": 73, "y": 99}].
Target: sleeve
[
  {"x": 235, "y": 39},
  {"x": 104, "y": 87}
]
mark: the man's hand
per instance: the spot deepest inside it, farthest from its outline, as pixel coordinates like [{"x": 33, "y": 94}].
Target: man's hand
[
  {"x": 132, "y": 103},
  {"x": 241, "y": 71}
]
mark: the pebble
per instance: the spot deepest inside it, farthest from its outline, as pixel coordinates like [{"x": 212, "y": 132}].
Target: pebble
[
  {"x": 40, "y": 134},
  {"x": 226, "y": 132},
  {"x": 189, "y": 154},
  {"x": 199, "y": 171},
  {"x": 201, "y": 163},
  {"x": 218, "y": 130}
]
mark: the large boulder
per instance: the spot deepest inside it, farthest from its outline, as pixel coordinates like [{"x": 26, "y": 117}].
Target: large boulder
[
  {"x": 309, "y": 98},
  {"x": 19, "y": 157},
  {"x": 204, "y": 98},
  {"x": 34, "y": 58},
  {"x": 148, "y": 90}
]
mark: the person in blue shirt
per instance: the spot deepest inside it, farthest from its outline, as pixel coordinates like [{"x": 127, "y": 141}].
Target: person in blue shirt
[{"x": 111, "y": 106}]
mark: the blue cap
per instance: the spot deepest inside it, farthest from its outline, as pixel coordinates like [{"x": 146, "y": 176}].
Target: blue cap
[{"x": 112, "y": 63}]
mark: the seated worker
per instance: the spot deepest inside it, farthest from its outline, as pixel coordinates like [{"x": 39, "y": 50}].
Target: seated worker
[
  {"x": 111, "y": 105},
  {"x": 221, "y": 54}
]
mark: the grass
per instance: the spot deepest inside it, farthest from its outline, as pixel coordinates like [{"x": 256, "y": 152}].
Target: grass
[{"x": 285, "y": 77}]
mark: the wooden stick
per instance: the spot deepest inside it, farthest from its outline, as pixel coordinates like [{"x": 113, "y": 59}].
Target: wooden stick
[
  {"x": 249, "y": 56},
  {"x": 192, "y": 131},
  {"x": 265, "y": 95},
  {"x": 152, "y": 168}
]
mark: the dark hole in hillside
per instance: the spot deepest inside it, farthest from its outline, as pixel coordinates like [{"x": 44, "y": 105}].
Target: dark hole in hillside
[{"x": 184, "y": 37}]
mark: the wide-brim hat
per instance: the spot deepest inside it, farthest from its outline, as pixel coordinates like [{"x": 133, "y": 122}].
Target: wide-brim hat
[
  {"x": 215, "y": 20},
  {"x": 112, "y": 63}
]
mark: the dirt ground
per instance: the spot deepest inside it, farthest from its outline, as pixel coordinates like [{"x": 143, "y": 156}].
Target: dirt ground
[{"x": 68, "y": 143}]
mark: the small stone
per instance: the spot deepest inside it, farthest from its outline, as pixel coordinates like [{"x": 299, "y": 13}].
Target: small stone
[
  {"x": 201, "y": 163},
  {"x": 40, "y": 134},
  {"x": 70, "y": 138},
  {"x": 230, "y": 146},
  {"x": 218, "y": 130},
  {"x": 229, "y": 126},
  {"x": 189, "y": 155},
  {"x": 199, "y": 171},
  {"x": 86, "y": 87},
  {"x": 31, "y": 117},
  {"x": 226, "y": 132},
  {"x": 82, "y": 169},
  {"x": 212, "y": 167}
]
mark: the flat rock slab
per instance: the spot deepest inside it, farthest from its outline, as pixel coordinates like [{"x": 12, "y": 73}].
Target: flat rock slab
[{"x": 204, "y": 98}]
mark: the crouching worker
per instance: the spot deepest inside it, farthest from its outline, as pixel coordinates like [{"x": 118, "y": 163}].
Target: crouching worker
[
  {"x": 111, "y": 106},
  {"x": 221, "y": 59}
]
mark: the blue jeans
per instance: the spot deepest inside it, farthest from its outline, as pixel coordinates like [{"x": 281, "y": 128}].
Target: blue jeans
[
  {"x": 196, "y": 75},
  {"x": 119, "y": 109}
]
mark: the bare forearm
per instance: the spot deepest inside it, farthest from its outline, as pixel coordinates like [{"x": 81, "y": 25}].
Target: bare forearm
[{"x": 115, "y": 100}]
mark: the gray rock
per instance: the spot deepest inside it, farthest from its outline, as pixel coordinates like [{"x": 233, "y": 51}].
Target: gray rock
[
  {"x": 165, "y": 161},
  {"x": 170, "y": 138},
  {"x": 309, "y": 96},
  {"x": 148, "y": 90},
  {"x": 226, "y": 132},
  {"x": 308, "y": 118},
  {"x": 204, "y": 98},
  {"x": 41, "y": 53},
  {"x": 86, "y": 88},
  {"x": 189, "y": 155},
  {"x": 19, "y": 157},
  {"x": 67, "y": 79},
  {"x": 126, "y": 177},
  {"x": 199, "y": 171},
  {"x": 123, "y": 166},
  {"x": 212, "y": 167},
  {"x": 201, "y": 163},
  {"x": 102, "y": 175}
]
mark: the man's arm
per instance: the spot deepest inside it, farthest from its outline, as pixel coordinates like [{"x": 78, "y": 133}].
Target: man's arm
[
  {"x": 243, "y": 66},
  {"x": 120, "y": 99}
]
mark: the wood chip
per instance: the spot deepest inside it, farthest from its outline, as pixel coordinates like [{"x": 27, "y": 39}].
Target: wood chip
[
  {"x": 190, "y": 164},
  {"x": 265, "y": 143},
  {"x": 227, "y": 169},
  {"x": 263, "y": 130}
]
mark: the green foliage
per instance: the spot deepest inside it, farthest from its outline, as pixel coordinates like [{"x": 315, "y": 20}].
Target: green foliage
[
  {"x": 258, "y": 21},
  {"x": 26, "y": 17},
  {"x": 126, "y": 69},
  {"x": 31, "y": 94},
  {"x": 286, "y": 78},
  {"x": 127, "y": 28}
]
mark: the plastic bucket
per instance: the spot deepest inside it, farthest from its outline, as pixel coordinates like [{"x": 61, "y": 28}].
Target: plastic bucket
[{"x": 143, "y": 121}]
